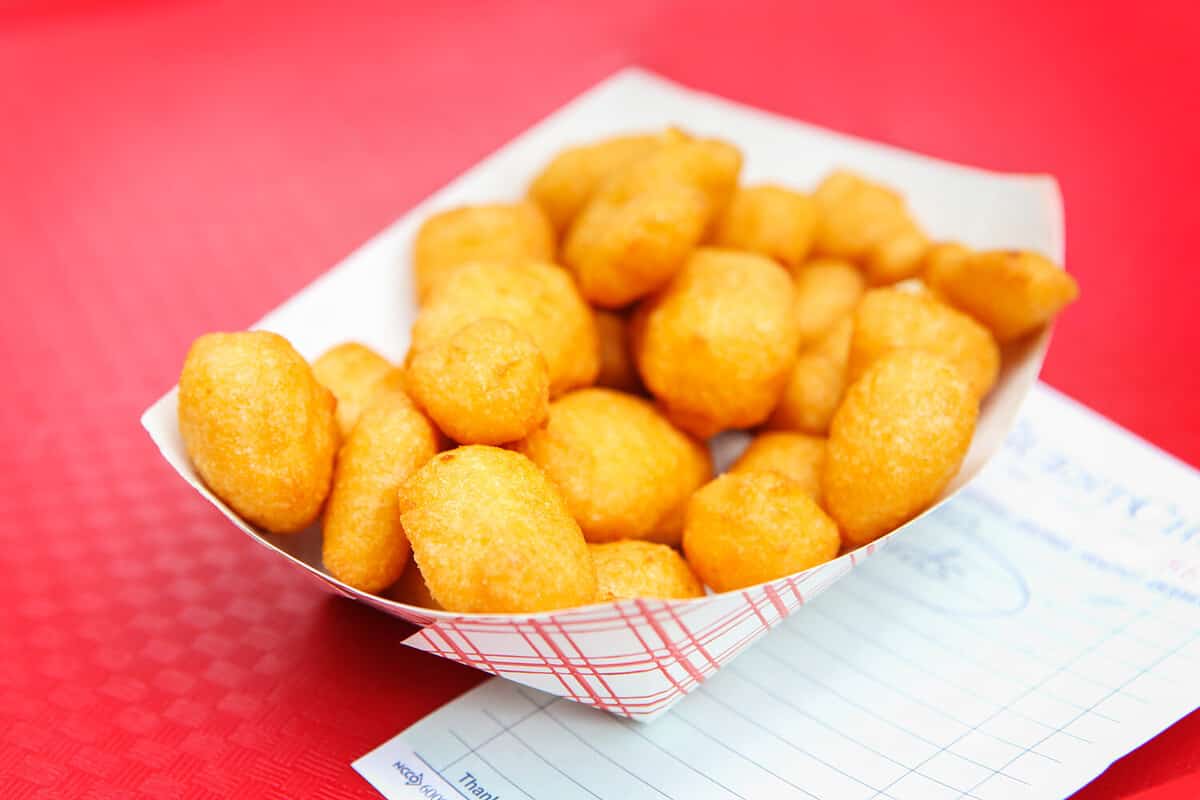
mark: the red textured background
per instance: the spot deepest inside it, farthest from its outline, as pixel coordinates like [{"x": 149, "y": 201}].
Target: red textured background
[{"x": 168, "y": 168}]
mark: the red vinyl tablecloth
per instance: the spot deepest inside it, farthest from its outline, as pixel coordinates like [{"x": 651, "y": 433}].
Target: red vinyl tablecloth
[{"x": 169, "y": 168}]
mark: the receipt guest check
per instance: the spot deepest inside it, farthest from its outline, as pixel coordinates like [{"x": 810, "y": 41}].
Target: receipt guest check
[{"x": 1022, "y": 638}]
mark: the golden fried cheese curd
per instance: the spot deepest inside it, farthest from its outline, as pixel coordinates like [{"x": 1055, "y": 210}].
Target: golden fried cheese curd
[
  {"x": 897, "y": 439},
  {"x": 1012, "y": 292},
  {"x": 814, "y": 387},
  {"x": 898, "y": 257},
  {"x": 364, "y": 545},
  {"x": 392, "y": 386},
  {"x": 890, "y": 319},
  {"x": 536, "y": 298},
  {"x": 712, "y": 165},
  {"x": 486, "y": 384},
  {"x": 770, "y": 220},
  {"x": 715, "y": 347},
  {"x": 497, "y": 232},
  {"x": 745, "y": 528},
  {"x": 629, "y": 569},
  {"x": 259, "y": 427},
  {"x": 700, "y": 469},
  {"x": 412, "y": 590},
  {"x": 827, "y": 289},
  {"x": 637, "y": 229},
  {"x": 566, "y": 183},
  {"x": 941, "y": 259},
  {"x": 617, "y": 370},
  {"x": 623, "y": 469},
  {"x": 350, "y": 370},
  {"x": 793, "y": 455},
  {"x": 869, "y": 224},
  {"x": 491, "y": 533},
  {"x": 624, "y": 246}
]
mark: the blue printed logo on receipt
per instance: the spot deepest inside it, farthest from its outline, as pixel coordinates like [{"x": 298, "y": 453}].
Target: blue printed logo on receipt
[
  {"x": 398, "y": 771},
  {"x": 412, "y": 770},
  {"x": 410, "y": 775}
]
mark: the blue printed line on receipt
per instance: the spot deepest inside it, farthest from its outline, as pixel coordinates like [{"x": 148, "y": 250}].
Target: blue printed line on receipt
[{"x": 1041, "y": 625}]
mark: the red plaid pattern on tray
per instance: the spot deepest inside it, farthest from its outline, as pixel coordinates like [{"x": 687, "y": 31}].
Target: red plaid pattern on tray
[{"x": 634, "y": 658}]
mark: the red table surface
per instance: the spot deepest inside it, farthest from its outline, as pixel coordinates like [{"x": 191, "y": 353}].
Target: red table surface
[{"x": 172, "y": 168}]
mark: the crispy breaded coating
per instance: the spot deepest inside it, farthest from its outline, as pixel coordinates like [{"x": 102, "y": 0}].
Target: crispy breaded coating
[
  {"x": 797, "y": 456},
  {"x": 628, "y": 569},
  {"x": 625, "y": 471},
  {"x": 535, "y": 297},
  {"x": 869, "y": 224},
  {"x": 827, "y": 289},
  {"x": 816, "y": 383},
  {"x": 411, "y": 589},
  {"x": 486, "y": 384},
  {"x": 350, "y": 370},
  {"x": 492, "y": 534},
  {"x": 941, "y": 260},
  {"x": 392, "y": 387},
  {"x": 889, "y": 319},
  {"x": 569, "y": 180},
  {"x": 769, "y": 220},
  {"x": 898, "y": 438},
  {"x": 498, "y": 232},
  {"x": 364, "y": 545},
  {"x": 638, "y": 228},
  {"x": 258, "y": 427},
  {"x": 1012, "y": 292},
  {"x": 715, "y": 347},
  {"x": 749, "y": 527}
]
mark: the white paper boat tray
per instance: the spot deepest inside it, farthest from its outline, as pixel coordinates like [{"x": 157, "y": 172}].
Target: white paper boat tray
[{"x": 636, "y": 658}]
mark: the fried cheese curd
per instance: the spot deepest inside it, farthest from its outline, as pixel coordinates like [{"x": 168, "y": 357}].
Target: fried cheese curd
[
  {"x": 868, "y": 223},
  {"x": 716, "y": 345},
  {"x": 563, "y": 187},
  {"x": 496, "y": 232},
  {"x": 639, "y": 226},
  {"x": 629, "y": 569},
  {"x": 941, "y": 259},
  {"x": 617, "y": 370},
  {"x": 491, "y": 533},
  {"x": 486, "y": 384},
  {"x": 364, "y": 545},
  {"x": 891, "y": 319},
  {"x": 1012, "y": 292},
  {"x": 624, "y": 470},
  {"x": 412, "y": 590},
  {"x": 896, "y": 441},
  {"x": 350, "y": 370},
  {"x": 816, "y": 383},
  {"x": 745, "y": 528},
  {"x": 259, "y": 427},
  {"x": 700, "y": 471},
  {"x": 797, "y": 456},
  {"x": 827, "y": 289},
  {"x": 769, "y": 220},
  {"x": 393, "y": 385},
  {"x": 535, "y": 297}
]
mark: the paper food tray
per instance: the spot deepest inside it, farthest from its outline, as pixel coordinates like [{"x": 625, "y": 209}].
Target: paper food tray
[{"x": 636, "y": 658}]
